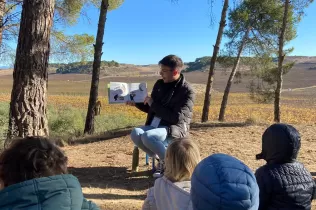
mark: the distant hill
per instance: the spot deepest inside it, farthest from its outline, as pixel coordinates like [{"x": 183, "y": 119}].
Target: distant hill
[
  {"x": 113, "y": 68},
  {"x": 200, "y": 64},
  {"x": 302, "y": 59},
  {"x": 203, "y": 63},
  {"x": 108, "y": 68},
  {"x": 301, "y": 76},
  {"x": 81, "y": 68}
]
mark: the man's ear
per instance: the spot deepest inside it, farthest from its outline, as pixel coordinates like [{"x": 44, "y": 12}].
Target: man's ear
[{"x": 175, "y": 72}]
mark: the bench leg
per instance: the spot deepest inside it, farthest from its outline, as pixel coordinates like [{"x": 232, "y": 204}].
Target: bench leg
[
  {"x": 153, "y": 164},
  {"x": 147, "y": 161},
  {"x": 135, "y": 161}
]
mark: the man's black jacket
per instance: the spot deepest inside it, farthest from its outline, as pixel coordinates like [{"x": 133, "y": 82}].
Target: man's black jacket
[{"x": 173, "y": 103}]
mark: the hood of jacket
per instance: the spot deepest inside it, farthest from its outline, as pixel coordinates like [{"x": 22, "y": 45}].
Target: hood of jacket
[
  {"x": 280, "y": 144},
  {"x": 222, "y": 182},
  {"x": 172, "y": 196}
]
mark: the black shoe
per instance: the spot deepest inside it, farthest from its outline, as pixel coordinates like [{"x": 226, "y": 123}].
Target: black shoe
[{"x": 160, "y": 169}]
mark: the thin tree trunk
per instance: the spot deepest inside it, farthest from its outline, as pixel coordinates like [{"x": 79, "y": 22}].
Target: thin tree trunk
[
  {"x": 28, "y": 104},
  {"x": 2, "y": 11},
  {"x": 231, "y": 78},
  {"x": 89, "y": 126},
  {"x": 277, "y": 111},
  {"x": 210, "y": 80}
]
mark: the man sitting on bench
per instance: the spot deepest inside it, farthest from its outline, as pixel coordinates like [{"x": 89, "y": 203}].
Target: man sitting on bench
[{"x": 169, "y": 111}]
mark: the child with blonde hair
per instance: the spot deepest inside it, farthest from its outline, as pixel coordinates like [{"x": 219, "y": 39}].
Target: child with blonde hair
[{"x": 172, "y": 191}]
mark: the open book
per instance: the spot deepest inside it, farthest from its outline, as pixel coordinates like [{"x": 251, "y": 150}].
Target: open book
[{"x": 119, "y": 92}]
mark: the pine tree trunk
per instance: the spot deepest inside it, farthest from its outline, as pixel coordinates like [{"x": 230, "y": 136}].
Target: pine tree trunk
[
  {"x": 89, "y": 126},
  {"x": 277, "y": 111},
  {"x": 231, "y": 78},
  {"x": 210, "y": 80},
  {"x": 2, "y": 11},
  {"x": 28, "y": 104}
]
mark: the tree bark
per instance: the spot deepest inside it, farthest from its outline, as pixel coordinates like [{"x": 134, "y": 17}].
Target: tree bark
[
  {"x": 89, "y": 126},
  {"x": 210, "y": 80},
  {"x": 2, "y": 12},
  {"x": 231, "y": 77},
  {"x": 28, "y": 104},
  {"x": 277, "y": 98}
]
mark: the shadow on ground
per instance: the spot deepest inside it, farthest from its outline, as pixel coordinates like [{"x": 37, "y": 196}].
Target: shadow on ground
[
  {"x": 120, "y": 132},
  {"x": 108, "y": 196},
  {"x": 113, "y": 177}
]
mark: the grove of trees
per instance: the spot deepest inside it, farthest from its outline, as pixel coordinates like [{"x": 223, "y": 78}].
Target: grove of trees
[
  {"x": 28, "y": 106},
  {"x": 262, "y": 28},
  {"x": 81, "y": 67}
]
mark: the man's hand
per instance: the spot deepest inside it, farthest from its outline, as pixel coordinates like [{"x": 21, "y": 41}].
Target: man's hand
[
  {"x": 148, "y": 100},
  {"x": 130, "y": 103}
]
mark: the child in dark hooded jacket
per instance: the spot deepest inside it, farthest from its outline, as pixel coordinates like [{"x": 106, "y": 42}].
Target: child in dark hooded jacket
[{"x": 285, "y": 184}]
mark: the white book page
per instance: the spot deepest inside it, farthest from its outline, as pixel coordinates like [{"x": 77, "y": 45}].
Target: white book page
[
  {"x": 119, "y": 92},
  {"x": 138, "y": 92}
]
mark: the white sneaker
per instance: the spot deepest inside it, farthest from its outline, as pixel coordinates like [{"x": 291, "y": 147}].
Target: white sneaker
[{"x": 159, "y": 169}]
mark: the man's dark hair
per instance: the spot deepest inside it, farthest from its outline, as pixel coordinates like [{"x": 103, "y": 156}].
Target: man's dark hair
[
  {"x": 29, "y": 158},
  {"x": 172, "y": 61}
]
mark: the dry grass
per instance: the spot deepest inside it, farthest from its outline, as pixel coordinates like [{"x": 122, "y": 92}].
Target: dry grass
[
  {"x": 104, "y": 167},
  {"x": 240, "y": 108},
  {"x": 297, "y": 106}
]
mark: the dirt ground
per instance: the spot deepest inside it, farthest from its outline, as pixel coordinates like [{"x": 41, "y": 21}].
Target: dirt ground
[{"x": 103, "y": 168}]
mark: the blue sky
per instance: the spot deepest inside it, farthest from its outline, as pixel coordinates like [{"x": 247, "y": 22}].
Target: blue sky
[{"x": 143, "y": 31}]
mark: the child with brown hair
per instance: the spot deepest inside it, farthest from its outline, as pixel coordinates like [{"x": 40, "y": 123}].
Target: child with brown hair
[
  {"x": 172, "y": 191},
  {"x": 33, "y": 175}
]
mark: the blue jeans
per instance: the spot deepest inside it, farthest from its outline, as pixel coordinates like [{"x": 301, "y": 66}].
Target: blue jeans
[{"x": 151, "y": 140}]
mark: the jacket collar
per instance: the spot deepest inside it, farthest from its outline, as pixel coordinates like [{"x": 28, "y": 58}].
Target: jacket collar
[{"x": 48, "y": 191}]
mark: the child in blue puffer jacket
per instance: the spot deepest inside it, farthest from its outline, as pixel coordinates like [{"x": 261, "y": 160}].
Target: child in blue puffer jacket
[
  {"x": 33, "y": 175},
  {"x": 222, "y": 182}
]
